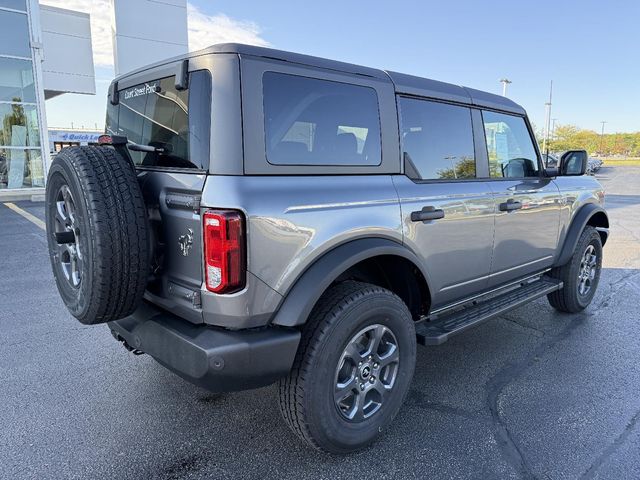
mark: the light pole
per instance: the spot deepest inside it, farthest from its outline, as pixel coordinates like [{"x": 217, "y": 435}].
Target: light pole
[
  {"x": 505, "y": 82},
  {"x": 547, "y": 123},
  {"x": 602, "y": 136},
  {"x": 453, "y": 165}
]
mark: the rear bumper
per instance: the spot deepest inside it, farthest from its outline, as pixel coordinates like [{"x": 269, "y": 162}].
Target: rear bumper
[{"x": 213, "y": 358}]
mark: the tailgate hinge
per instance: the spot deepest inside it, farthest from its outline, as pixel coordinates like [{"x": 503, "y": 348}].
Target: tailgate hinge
[
  {"x": 197, "y": 299},
  {"x": 183, "y": 201}
]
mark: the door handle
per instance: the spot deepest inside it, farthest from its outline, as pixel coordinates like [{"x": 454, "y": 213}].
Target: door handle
[
  {"x": 510, "y": 205},
  {"x": 426, "y": 214}
]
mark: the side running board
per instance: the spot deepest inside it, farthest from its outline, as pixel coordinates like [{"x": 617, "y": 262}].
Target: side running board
[{"x": 436, "y": 332}]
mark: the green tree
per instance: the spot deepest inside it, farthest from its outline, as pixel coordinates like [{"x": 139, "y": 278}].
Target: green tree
[
  {"x": 569, "y": 137},
  {"x": 16, "y": 117},
  {"x": 464, "y": 168}
]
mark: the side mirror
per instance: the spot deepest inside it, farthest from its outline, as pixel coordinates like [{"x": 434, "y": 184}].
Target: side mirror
[{"x": 574, "y": 162}]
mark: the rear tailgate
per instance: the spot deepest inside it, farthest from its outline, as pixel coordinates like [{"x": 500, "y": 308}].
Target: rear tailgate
[{"x": 173, "y": 202}]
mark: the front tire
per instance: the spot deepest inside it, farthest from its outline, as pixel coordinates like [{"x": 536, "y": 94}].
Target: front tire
[
  {"x": 580, "y": 275},
  {"x": 353, "y": 368}
]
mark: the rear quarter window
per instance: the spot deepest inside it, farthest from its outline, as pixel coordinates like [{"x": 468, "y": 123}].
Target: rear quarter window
[
  {"x": 309, "y": 121},
  {"x": 156, "y": 113}
]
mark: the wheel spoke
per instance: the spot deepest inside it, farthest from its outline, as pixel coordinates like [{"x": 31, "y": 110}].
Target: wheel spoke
[
  {"x": 382, "y": 390},
  {"x": 343, "y": 390},
  {"x": 75, "y": 269},
  {"x": 68, "y": 203},
  {"x": 64, "y": 253},
  {"x": 353, "y": 352},
  {"x": 62, "y": 249},
  {"x": 357, "y": 412},
  {"x": 389, "y": 358},
  {"x": 378, "y": 333},
  {"x": 61, "y": 215}
]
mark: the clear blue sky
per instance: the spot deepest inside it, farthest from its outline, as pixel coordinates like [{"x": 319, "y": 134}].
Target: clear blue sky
[{"x": 591, "y": 49}]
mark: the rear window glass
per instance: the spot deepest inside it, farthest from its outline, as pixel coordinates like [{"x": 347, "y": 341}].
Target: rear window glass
[
  {"x": 155, "y": 113},
  {"x": 320, "y": 122}
]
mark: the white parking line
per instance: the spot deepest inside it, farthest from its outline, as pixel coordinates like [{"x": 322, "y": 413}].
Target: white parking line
[{"x": 33, "y": 219}]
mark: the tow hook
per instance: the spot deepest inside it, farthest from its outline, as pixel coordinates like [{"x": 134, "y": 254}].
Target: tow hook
[{"x": 129, "y": 348}]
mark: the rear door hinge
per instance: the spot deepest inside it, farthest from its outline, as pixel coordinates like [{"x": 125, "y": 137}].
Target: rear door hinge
[
  {"x": 183, "y": 201},
  {"x": 197, "y": 299}
]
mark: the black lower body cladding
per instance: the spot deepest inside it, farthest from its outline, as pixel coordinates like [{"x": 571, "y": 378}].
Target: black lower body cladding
[
  {"x": 97, "y": 233},
  {"x": 213, "y": 358}
]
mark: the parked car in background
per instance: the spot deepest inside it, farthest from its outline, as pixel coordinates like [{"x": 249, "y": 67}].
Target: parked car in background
[{"x": 593, "y": 165}]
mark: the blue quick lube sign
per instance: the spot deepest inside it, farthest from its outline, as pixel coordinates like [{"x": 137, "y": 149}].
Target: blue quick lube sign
[{"x": 70, "y": 136}]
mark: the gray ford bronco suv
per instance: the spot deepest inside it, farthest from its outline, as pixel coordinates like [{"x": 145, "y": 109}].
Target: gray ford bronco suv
[{"x": 257, "y": 216}]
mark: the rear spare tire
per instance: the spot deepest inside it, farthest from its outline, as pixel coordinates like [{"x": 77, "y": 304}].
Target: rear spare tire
[{"x": 97, "y": 233}]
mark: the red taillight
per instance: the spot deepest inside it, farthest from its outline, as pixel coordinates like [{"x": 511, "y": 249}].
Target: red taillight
[
  {"x": 224, "y": 251},
  {"x": 104, "y": 139}
]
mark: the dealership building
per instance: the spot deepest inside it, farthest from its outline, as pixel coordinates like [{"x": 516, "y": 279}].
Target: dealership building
[
  {"x": 35, "y": 65},
  {"x": 46, "y": 51}
]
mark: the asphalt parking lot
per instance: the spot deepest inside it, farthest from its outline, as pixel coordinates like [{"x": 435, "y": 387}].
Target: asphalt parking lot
[{"x": 532, "y": 394}]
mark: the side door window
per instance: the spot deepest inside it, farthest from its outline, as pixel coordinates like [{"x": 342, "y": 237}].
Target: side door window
[
  {"x": 510, "y": 147},
  {"x": 437, "y": 140}
]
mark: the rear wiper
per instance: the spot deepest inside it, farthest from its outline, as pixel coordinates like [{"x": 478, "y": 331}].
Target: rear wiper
[
  {"x": 121, "y": 140},
  {"x": 135, "y": 147}
]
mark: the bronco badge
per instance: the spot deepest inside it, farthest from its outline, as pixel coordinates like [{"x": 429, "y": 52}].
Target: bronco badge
[{"x": 186, "y": 242}]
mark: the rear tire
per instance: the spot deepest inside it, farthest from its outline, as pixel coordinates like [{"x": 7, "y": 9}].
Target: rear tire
[
  {"x": 343, "y": 390},
  {"x": 580, "y": 275},
  {"x": 97, "y": 233}
]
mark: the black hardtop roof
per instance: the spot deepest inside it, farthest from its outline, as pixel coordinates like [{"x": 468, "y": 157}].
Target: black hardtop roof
[{"x": 404, "y": 84}]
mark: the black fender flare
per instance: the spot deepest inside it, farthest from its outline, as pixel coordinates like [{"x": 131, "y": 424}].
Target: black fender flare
[
  {"x": 309, "y": 287},
  {"x": 580, "y": 220}
]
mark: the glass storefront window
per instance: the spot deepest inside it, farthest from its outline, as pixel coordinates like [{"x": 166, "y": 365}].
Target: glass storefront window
[
  {"x": 18, "y": 125},
  {"x": 16, "y": 81},
  {"x": 21, "y": 168},
  {"x": 21, "y": 160},
  {"x": 14, "y": 34},
  {"x": 14, "y": 4}
]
